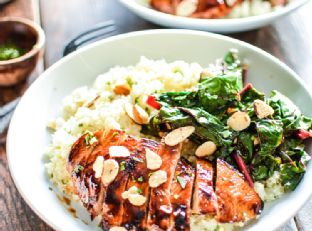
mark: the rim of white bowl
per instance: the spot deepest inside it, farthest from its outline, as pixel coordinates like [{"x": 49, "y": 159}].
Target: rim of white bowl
[
  {"x": 10, "y": 137},
  {"x": 134, "y": 5}
]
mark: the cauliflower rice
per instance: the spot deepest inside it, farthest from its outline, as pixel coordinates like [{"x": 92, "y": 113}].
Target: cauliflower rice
[{"x": 98, "y": 107}]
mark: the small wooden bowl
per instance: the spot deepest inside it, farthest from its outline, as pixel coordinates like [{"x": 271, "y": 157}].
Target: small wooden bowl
[{"x": 26, "y": 35}]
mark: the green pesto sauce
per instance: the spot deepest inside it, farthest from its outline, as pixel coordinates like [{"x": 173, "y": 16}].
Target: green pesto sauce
[{"x": 9, "y": 51}]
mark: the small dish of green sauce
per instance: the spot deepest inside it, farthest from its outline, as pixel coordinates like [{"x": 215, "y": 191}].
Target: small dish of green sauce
[{"x": 10, "y": 51}]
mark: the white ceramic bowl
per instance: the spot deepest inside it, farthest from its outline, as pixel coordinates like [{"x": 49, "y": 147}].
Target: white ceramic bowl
[
  {"x": 142, "y": 9},
  {"x": 28, "y": 136}
]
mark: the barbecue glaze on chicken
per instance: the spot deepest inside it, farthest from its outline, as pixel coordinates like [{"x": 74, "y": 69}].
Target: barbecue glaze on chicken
[
  {"x": 237, "y": 201},
  {"x": 181, "y": 194},
  {"x": 160, "y": 207},
  {"x": 136, "y": 216},
  {"x": 187, "y": 189}
]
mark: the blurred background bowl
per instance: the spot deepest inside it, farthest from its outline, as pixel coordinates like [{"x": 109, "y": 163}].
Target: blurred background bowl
[
  {"x": 25, "y": 35},
  {"x": 221, "y": 25}
]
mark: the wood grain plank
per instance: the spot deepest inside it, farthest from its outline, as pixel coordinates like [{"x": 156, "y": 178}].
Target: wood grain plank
[
  {"x": 304, "y": 217},
  {"x": 289, "y": 226},
  {"x": 15, "y": 214}
]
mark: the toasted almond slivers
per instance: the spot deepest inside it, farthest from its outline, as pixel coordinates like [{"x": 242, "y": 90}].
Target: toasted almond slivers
[
  {"x": 186, "y": 7},
  {"x": 110, "y": 171},
  {"x": 206, "y": 149},
  {"x": 117, "y": 228},
  {"x": 140, "y": 114},
  {"x": 131, "y": 190},
  {"x": 157, "y": 178},
  {"x": 122, "y": 89},
  {"x": 118, "y": 151},
  {"x": 239, "y": 121},
  {"x": 179, "y": 135},
  {"x": 153, "y": 160},
  {"x": 262, "y": 109},
  {"x": 166, "y": 209},
  {"x": 98, "y": 166},
  {"x": 136, "y": 113},
  {"x": 125, "y": 195},
  {"x": 137, "y": 199}
]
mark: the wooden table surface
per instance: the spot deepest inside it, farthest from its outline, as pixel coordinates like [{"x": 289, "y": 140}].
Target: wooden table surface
[{"x": 289, "y": 39}]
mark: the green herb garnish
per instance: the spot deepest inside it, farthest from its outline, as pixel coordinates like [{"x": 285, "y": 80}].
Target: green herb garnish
[
  {"x": 78, "y": 168},
  {"x": 139, "y": 190},
  {"x": 10, "y": 51},
  {"x": 90, "y": 138},
  {"x": 140, "y": 179},
  {"x": 122, "y": 165}
]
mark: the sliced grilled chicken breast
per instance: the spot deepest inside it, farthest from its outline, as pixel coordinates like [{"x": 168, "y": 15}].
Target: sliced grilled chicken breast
[
  {"x": 181, "y": 194},
  {"x": 204, "y": 197},
  {"x": 160, "y": 207},
  {"x": 237, "y": 201},
  {"x": 162, "y": 202},
  {"x": 86, "y": 185},
  {"x": 135, "y": 217},
  {"x": 93, "y": 182},
  {"x": 113, "y": 208},
  {"x": 98, "y": 198}
]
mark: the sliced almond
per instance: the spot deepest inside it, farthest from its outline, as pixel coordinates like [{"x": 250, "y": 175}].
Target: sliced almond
[
  {"x": 153, "y": 160},
  {"x": 131, "y": 190},
  {"x": 179, "y": 135},
  {"x": 136, "y": 113},
  {"x": 117, "y": 228},
  {"x": 239, "y": 121},
  {"x": 137, "y": 199},
  {"x": 186, "y": 7},
  {"x": 262, "y": 109},
  {"x": 118, "y": 151},
  {"x": 157, "y": 178},
  {"x": 140, "y": 114},
  {"x": 110, "y": 171},
  {"x": 98, "y": 166},
  {"x": 122, "y": 89},
  {"x": 206, "y": 149},
  {"x": 166, "y": 209}
]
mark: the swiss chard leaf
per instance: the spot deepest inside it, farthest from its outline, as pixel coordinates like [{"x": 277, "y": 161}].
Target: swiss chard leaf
[
  {"x": 210, "y": 127},
  {"x": 245, "y": 145},
  {"x": 231, "y": 60},
  {"x": 291, "y": 174},
  {"x": 264, "y": 167},
  {"x": 288, "y": 113},
  {"x": 178, "y": 99},
  {"x": 216, "y": 94},
  {"x": 270, "y": 133}
]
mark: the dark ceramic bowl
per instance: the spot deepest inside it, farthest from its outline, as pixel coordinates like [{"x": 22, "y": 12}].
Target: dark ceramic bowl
[{"x": 27, "y": 36}]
